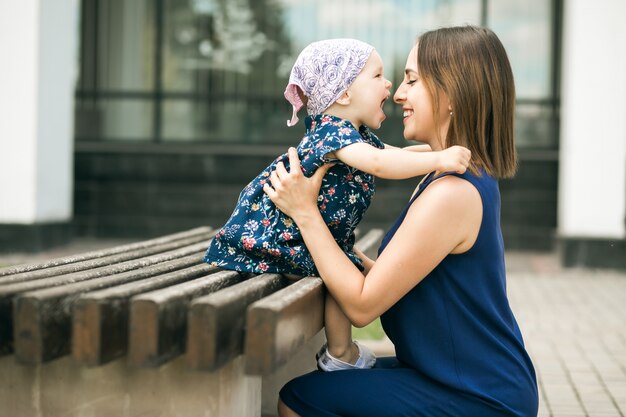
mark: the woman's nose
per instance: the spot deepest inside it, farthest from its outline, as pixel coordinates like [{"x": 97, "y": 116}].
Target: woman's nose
[{"x": 400, "y": 95}]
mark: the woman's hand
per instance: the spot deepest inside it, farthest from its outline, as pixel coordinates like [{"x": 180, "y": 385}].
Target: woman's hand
[{"x": 292, "y": 192}]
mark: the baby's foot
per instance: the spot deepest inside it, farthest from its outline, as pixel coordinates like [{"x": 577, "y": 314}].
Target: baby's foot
[{"x": 328, "y": 363}]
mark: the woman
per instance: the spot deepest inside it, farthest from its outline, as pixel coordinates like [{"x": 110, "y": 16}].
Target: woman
[{"x": 439, "y": 281}]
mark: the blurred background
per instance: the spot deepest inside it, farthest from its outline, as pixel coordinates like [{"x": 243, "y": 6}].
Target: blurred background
[{"x": 135, "y": 118}]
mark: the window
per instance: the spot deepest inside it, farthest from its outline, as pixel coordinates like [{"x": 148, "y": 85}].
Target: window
[
  {"x": 214, "y": 71},
  {"x": 526, "y": 30}
]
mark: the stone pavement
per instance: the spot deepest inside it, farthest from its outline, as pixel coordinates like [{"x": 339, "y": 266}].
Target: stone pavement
[
  {"x": 574, "y": 326},
  {"x": 573, "y": 322}
]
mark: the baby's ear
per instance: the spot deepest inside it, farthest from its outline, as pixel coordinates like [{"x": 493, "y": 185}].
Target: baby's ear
[{"x": 344, "y": 100}]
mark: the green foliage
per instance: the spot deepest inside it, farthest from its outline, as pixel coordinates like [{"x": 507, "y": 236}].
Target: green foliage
[{"x": 373, "y": 331}]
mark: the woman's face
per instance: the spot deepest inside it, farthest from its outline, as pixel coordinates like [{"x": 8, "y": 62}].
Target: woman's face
[{"x": 416, "y": 102}]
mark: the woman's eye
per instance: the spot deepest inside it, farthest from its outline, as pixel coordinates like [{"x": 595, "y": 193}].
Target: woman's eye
[{"x": 411, "y": 82}]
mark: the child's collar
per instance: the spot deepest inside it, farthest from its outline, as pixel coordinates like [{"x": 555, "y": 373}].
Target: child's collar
[{"x": 318, "y": 120}]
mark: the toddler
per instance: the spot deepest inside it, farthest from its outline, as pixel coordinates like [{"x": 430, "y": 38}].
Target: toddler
[{"x": 342, "y": 84}]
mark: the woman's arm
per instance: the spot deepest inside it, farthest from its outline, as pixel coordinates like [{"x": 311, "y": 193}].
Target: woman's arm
[
  {"x": 396, "y": 163},
  {"x": 444, "y": 220}
]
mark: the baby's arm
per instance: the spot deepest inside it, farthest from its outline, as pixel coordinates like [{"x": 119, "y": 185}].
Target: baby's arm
[
  {"x": 396, "y": 163},
  {"x": 412, "y": 148},
  {"x": 417, "y": 148},
  {"x": 368, "y": 263}
]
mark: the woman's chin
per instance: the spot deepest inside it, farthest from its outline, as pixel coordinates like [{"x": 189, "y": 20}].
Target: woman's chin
[{"x": 408, "y": 135}]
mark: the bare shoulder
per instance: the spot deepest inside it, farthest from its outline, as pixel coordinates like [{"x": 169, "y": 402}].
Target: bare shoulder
[
  {"x": 453, "y": 191},
  {"x": 453, "y": 207}
]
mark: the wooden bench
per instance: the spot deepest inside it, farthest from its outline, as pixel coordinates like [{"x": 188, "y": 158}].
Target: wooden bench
[{"x": 157, "y": 306}]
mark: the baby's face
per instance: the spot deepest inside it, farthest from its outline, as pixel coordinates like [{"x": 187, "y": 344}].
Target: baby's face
[{"x": 368, "y": 93}]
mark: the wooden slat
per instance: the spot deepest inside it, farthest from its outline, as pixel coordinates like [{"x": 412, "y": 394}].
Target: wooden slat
[
  {"x": 101, "y": 253},
  {"x": 42, "y": 319},
  {"x": 111, "y": 260},
  {"x": 100, "y": 318},
  {"x": 279, "y": 325},
  {"x": 158, "y": 320},
  {"x": 216, "y": 327},
  {"x": 9, "y": 291}
]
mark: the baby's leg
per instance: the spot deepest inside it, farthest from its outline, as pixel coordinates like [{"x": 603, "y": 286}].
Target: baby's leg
[{"x": 339, "y": 332}]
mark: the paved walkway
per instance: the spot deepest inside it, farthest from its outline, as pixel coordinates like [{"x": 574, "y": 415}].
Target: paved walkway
[{"x": 574, "y": 325}]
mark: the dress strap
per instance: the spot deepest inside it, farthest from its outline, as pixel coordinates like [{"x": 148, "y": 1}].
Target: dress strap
[{"x": 428, "y": 178}]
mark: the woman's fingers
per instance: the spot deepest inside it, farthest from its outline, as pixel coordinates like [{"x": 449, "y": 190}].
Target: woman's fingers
[
  {"x": 294, "y": 161},
  {"x": 291, "y": 191},
  {"x": 271, "y": 193},
  {"x": 275, "y": 180},
  {"x": 294, "y": 166},
  {"x": 281, "y": 171},
  {"x": 321, "y": 171}
]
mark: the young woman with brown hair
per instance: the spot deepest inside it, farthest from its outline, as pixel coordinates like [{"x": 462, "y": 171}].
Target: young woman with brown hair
[{"x": 439, "y": 282}]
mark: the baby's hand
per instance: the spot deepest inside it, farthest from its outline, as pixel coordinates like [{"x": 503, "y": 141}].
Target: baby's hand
[{"x": 454, "y": 159}]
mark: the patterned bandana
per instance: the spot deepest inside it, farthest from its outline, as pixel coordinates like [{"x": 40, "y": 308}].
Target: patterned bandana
[{"x": 323, "y": 72}]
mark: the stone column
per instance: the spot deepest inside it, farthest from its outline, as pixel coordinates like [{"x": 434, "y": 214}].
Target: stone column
[
  {"x": 38, "y": 42},
  {"x": 592, "y": 176}
]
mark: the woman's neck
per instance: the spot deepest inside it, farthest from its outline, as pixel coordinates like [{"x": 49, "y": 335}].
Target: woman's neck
[{"x": 434, "y": 144}]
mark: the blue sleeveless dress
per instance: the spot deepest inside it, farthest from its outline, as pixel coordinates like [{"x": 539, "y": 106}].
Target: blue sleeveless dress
[{"x": 459, "y": 349}]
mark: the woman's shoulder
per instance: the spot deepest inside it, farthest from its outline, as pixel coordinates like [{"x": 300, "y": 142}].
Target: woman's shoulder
[
  {"x": 451, "y": 183},
  {"x": 450, "y": 195},
  {"x": 450, "y": 208}
]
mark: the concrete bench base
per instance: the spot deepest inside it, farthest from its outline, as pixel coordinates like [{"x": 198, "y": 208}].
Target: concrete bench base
[{"x": 64, "y": 388}]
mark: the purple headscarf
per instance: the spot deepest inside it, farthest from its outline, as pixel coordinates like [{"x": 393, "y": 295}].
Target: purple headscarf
[{"x": 323, "y": 72}]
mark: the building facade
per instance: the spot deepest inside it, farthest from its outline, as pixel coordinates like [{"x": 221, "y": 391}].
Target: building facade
[{"x": 175, "y": 104}]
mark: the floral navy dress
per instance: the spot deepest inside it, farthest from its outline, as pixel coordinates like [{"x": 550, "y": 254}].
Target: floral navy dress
[{"x": 259, "y": 238}]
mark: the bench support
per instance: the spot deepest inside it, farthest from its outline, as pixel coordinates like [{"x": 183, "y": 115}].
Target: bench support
[{"x": 64, "y": 388}]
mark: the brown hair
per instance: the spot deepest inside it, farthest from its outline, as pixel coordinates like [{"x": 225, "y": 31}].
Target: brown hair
[{"x": 469, "y": 65}]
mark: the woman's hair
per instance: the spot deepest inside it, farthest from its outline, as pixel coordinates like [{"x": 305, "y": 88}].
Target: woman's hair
[{"x": 470, "y": 66}]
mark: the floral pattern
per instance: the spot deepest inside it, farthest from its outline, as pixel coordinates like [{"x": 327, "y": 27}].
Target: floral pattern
[{"x": 259, "y": 238}]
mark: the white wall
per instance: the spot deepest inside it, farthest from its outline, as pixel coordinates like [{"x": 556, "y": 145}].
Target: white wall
[
  {"x": 38, "y": 41},
  {"x": 592, "y": 177}
]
